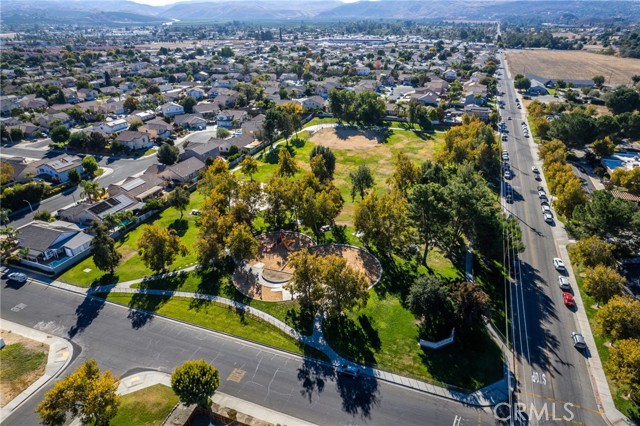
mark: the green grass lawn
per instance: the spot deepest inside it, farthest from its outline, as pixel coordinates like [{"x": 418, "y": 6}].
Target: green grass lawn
[
  {"x": 17, "y": 361},
  {"x": 317, "y": 120},
  {"x": 146, "y": 407},
  {"x": 215, "y": 317},
  {"x": 627, "y": 407},
  {"x": 131, "y": 266}
]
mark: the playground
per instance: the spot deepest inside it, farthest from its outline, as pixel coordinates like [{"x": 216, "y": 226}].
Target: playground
[{"x": 264, "y": 277}]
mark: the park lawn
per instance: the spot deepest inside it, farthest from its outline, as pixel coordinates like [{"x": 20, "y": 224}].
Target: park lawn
[
  {"x": 131, "y": 266},
  {"x": 321, "y": 120},
  {"x": 626, "y": 406},
  {"x": 146, "y": 407},
  {"x": 216, "y": 317}
]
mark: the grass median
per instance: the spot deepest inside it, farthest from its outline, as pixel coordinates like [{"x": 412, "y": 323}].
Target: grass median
[{"x": 146, "y": 407}]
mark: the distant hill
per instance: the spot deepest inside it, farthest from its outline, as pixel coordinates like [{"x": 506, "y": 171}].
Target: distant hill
[{"x": 128, "y": 12}]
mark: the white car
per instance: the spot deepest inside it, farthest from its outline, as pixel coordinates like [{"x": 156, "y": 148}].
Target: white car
[
  {"x": 548, "y": 217},
  {"x": 564, "y": 283},
  {"x": 18, "y": 277},
  {"x": 542, "y": 195},
  {"x": 195, "y": 212},
  {"x": 546, "y": 209},
  {"x": 507, "y": 174},
  {"x": 348, "y": 370},
  {"x": 558, "y": 264}
]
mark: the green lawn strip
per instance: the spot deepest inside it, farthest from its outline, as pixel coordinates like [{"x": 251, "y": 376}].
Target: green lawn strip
[
  {"x": 131, "y": 266},
  {"x": 318, "y": 120},
  {"x": 216, "y": 317},
  {"x": 626, "y": 406},
  {"x": 146, "y": 407},
  {"x": 17, "y": 361}
]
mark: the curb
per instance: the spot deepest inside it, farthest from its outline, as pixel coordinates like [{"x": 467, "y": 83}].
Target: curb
[{"x": 59, "y": 358}]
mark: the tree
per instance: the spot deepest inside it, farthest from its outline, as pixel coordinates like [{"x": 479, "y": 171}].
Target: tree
[
  {"x": 270, "y": 125},
  {"x": 361, "y": 181},
  {"x": 522, "y": 83},
  {"x": 249, "y": 166},
  {"x": 90, "y": 165},
  {"x": 594, "y": 251},
  {"x": 623, "y": 365},
  {"x": 383, "y": 221},
  {"x": 430, "y": 300},
  {"x": 471, "y": 303},
  {"x": 570, "y": 196},
  {"x": 78, "y": 141},
  {"x": 222, "y": 133},
  {"x": 86, "y": 393},
  {"x": 306, "y": 281},
  {"x": 619, "y": 318},
  {"x": 158, "y": 247},
  {"x": 286, "y": 164},
  {"x": 130, "y": 104},
  {"x": 241, "y": 243},
  {"x": 603, "y": 282},
  {"x": 623, "y": 99},
  {"x": 91, "y": 190},
  {"x": 603, "y": 147},
  {"x": 575, "y": 129},
  {"x": 59, "y": 134},
  {"x": 153, "y": 89},
  {"x": 605, "y": 215},
  {"x": 195, "y": 381},
  {"x": 405, "y": 173},
  {"x": 319, "y": 168},
  {"x": 16, "y": 134},
  {"x": 370, "y": 108},
  {"x": 429, "y": 212},
  {"x": 598, "y": 80},
  {"x": 168, "y": 154},
  {"x": 8, "y": 242},
  {"x": 135, "y": 124},
  {"x": 96, "y": 141},
  {"x": 629, "y": 179},
  {"x": 43, "y": 215},
  {"x": 328, "y": 156},
  {"x": 6, "y": 172},
  {"x": 105, "y": 255},
  {"x": 344, "y": 287},
  {"x": 188, "y": 103},
  {"x": 179, "y": 199}
]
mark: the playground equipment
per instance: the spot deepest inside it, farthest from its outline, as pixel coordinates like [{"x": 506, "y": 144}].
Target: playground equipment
[{"x": 286, "y": 242}]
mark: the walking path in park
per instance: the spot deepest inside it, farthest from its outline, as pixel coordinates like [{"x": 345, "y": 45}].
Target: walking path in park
[{"x": 485, "y": 397}]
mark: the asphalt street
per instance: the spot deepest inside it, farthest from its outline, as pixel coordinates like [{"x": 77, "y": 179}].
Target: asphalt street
[
  {"x": 550, "y": 371},
  {"x": 124, "y": 341}
]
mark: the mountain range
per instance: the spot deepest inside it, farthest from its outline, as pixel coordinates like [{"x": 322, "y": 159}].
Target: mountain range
[{"x": 123, "y": 12}]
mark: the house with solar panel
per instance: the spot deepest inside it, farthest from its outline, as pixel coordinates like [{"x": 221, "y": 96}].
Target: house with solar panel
[{"x": 86, "y": 214}]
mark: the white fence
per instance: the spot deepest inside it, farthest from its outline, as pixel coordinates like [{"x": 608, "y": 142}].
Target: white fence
[{"x": 439, "y": 344}]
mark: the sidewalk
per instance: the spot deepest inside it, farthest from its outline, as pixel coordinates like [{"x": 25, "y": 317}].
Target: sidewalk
[
  {"x": 60, "y": 355},
  {"x": 486, "y": 397}
]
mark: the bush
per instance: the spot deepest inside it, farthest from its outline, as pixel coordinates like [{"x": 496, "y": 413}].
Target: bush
[
  {"x": 13, "y": 198},
  {"x": 297, "y": 142}
]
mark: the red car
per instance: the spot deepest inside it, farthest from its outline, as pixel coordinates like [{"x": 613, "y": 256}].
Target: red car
[{"x": 568, "y": 299}]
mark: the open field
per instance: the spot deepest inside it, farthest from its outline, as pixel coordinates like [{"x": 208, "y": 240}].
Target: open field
[
  {"x": 22, "y": 362},
  {"x": 146, "y": 407},
  {"x": 572, "y": 64}
]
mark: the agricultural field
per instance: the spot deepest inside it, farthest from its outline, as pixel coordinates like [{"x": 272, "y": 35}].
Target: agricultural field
[{"x": 572, "y": 64}]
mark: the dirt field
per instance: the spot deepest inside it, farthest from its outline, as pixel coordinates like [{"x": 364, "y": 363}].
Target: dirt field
[
  {"x": 11, "y": 389},
  {"x": 359, "y": 260},
  {"x": 347, "y": 139},
  {"x": 576, "y": 65}
]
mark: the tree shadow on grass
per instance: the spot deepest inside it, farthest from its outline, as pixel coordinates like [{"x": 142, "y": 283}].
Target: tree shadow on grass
[
  {"x": 181, "y": 226},
  {"x": 213, "y": 282},
  {"x": 301, "y": 320},
  {"x": 105, "y": 279},
  {"x": 349, "y": 339},
  {"x": 397, "y": 276},
  {"x": 143, "y": 306}
]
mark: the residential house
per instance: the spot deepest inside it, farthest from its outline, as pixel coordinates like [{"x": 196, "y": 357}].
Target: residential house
[
  {"x": 87, "y": 213},
  {"x": 183, "y": 172},
  {"x": 113, "y": 126},
  {"x": 157, "y": 128},
  {"x": 52, "y": 246},
  {"x": 450, "y": 75},
  {"x": 207, "y": 109},
  {"x": 195, "y": 92},
  {"x": 31, "y": 102},
  {"x": 227, "y": 118},
  {"x": 30, "y": 131},
  {"x": 47, "y": 120},
  {"x": 312, "y": 103},
  {"x": 426, "y": 97},
  {"x": 141, "y": 188},
  {"x": 171, "y": 108},
  {"x": 537, "y": 88},
  {"x": 437, "y": 85},
  {"x": 7, "y": 103},
  {"x": 70, "y": 95},
  {"x": 363, "y": 71},
  {"x": 134, "y": 140},
  {"x": 202, "y": 151},
  {"x": 191, "y": 121},
  {"x": 88, "y": 94},
  {"x": 58, "y": 168},
  {"x": 482, "y": 113}
]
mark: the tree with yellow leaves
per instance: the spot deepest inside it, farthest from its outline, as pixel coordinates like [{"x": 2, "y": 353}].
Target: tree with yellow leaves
[
  {"x": 159, "y": 247},
  {"x": 623, "y": 365}
]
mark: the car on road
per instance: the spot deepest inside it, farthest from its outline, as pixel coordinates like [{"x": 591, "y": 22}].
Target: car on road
[
  {"x": 509, "y": 198},
  {"x": 564, "y": 283},
  {"x": 546, "y": 209},
  {"x": 540, "y": 188},
  {"x": 509, "y": 118},
  {"x": 17, "y": 277},
  {"x": 507, "y": 174},
  {"x": 558, "y": 264},
  {"x": 578, "y": 340},
  {"x": 348, "y": 370},
  {"x": 568, "y": 300},
  {"x": 538, "y": 178},
  {"x": 505, "y": 157},
  {"x": 542, "y": 195},
  {"x": 548, "y": 217}
]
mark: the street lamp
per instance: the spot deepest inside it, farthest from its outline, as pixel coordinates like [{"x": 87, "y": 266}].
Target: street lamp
[{"x": 29, "y": 205}]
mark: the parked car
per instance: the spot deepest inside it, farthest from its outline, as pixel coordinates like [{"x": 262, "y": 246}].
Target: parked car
[
  {"x": 578, "y": 340},
  {"x": 564, "y": 283},
  {"x": 540, "y": 188},
  {"x": 18, "y": 277},
  {"x": 507, "y": 174},
  {"x": 509, "y": 198},
  {"x": 548, "y": 217},
  {"x": 348, "y": 370},
  {"x": 195, "y": 212},
  {"x": 546, "y": 209},
  {"x": 568, "y": 300},
  {"x": 558, "y": 264},
  {"x": 538, "y": 178}
]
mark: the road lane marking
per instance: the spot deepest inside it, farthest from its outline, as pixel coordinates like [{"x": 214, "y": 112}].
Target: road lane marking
[
  {"x": 236, "y": 375},
  {"x": 18, "y": 307},
  {"x": 456, "y": 421}
]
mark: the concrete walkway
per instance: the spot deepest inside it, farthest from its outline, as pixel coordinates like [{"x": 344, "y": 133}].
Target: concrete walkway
[{"x": 60, "y": 355}]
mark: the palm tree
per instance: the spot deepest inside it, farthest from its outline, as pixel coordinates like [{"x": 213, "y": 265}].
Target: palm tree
[{"x": 91, "y": 190}]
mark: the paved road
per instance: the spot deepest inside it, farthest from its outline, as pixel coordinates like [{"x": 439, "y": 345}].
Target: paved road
[
  {"x": 549, "y": 369},
  {"x": 124, "y": 341}
]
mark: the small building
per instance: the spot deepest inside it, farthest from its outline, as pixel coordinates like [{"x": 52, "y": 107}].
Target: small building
[
  {"x": 58, "y": 169},
  {"x": 183, "y": 172},
  {"x": 171, "y": 108},
  {"x": 87, "y": 213},
  {"x": 191, "y": 121},
  {"x": 134, "y": 140},
  {"x": 482, "y": 113},
  {"x": 148, "y": 185},
  {"x": 227, "y": 118},
  {"x": 537, "y": 88},
  {"x": 113, "y": 126}
]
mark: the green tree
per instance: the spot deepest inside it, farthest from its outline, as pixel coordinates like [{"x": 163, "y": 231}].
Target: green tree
[
  {"x": 429, "y": 213},
  {"x": 575, "y": 129},
  {"x": 188, "y": 103},
  {"x": 43, "y": 215},
  {"x": 16, "y": 134},
  {"x": 623, "y": 99},
  {"x": 405, "y": 173},
  {"x": 306, "y": 281},
  {"x": 86, "y": 393},
  {"x": 623, "y": 365},
  {"x": 370, "y": 108},
  {"x": 158, "y": 247},
  {"x": 430, "y": 300},
  {"x": 619, "y": 318},
  {"x": 286, "y": 164},
  {"x": 90, "y": 165},
  {"x": 179, "y": 199},
  {"x": 249, "y": 167},
  {"x": 241, "y": 242},
  {"x": 74, "y": 176},
  {"x": 105, "y": 255},
  {"x": 603, "y": 282},
  {"x": 91, "y": 190},
  {"x": 522, "y": 83},
  {"x": 96, "y": 141},
  {"x": 598, "y": 80},
  {"x": 383, "y": 221},
  {"x": 222, "y": 133},
  {"x": 603, "y": 147},
  {"x": 605, "y": 215},
  {"x": 59, "y": 134},
  {"x": 195, "y": 381},
  {"x": 130, "y": 104},
  {"x": 78, "y": 141},
  {"x": 361, "y": 181},
  {"x": 594, "y": 251},
  {"x": 328, "y": 156},
  {"x": 472, "y": 304},
  {"x": 345, "y": 287},
  {"x": 168, "y": 154}
]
